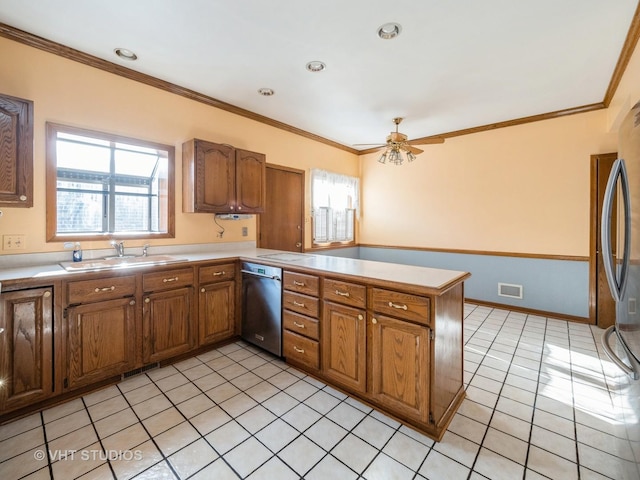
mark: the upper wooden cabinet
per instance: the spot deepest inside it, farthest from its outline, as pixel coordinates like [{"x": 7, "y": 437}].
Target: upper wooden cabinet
[
  {"x": 16, "y": 152},
  {"x": 218, "y": 178}
]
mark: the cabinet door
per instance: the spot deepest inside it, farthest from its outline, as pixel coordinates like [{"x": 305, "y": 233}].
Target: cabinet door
[
  {"x": 216, "y": 316},
  {"x": 215, "y": 176},
  {"x": 167, "y": 324},
  {"x": 16, "y": 152},
  {"x": 344, "y": 342},
  {"x": 251, "y": 182},
  {"x": 26, "y": 347},
  {"x": 101, "y": 340},
  {"x": 399, "y": 362}
]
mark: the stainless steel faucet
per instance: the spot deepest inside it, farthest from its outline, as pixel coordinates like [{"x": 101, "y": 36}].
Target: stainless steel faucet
[
  {"x": 119, "y": 246},
  {"x": 145, "y": 249}
]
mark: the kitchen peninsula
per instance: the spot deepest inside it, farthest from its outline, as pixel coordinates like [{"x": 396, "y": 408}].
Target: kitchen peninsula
[{"x": 389, "y": 334}]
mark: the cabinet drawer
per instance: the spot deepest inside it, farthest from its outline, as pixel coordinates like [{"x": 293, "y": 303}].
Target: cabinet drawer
[
  {"x": 301, "y": 350},
  {"x": 344, "y": 292},
  {"x": 300, "y": 303},
  {"x": 86, "y": 291},
  {"x": 299, "y": 282},
  {"x": 401, "y": 305},
  {"x": 217, "y": 273},
  {"x": 309, "y": 327},
  {"x": 152, "y": 282}
]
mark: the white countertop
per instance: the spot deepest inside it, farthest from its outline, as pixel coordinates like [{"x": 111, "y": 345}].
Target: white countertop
[{"x": 431, "y": 278}]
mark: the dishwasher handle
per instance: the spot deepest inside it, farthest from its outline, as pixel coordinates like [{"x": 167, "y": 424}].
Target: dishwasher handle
[{"x": 256, "y": 274}]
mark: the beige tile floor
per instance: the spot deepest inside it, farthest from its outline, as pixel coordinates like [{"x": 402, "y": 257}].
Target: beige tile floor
[{"x": 541, "y": 403}]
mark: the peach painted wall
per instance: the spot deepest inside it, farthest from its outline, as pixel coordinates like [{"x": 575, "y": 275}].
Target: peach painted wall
[
  {"x": 70, "y": 93},
  {"x": 521, "y": 189}
]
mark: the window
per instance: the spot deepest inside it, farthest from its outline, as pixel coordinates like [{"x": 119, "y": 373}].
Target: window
[
  {"x": 101, "y": 185},
  {"x": 334, "y": 204}
]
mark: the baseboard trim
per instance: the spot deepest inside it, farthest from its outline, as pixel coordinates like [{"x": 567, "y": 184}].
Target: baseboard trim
[{"x": 531, "y": 311}]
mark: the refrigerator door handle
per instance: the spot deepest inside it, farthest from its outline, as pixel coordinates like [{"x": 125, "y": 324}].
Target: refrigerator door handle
[
  {"x": 617, "y": 287},
  {"x": 631, "y": 371}
]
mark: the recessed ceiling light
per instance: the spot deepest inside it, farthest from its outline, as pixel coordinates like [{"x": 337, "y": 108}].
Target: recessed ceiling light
[
  {"x": 316, "y": 66},
  {"x": 125, "y": 54},
  {"x": 266, "y": 92},
  {"x": 389, "y": 31}
]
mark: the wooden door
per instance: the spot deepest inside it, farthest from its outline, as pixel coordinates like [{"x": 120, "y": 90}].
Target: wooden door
[
  {"x": 602, "y": 308},
  {"x": 344, "y": 346},
  {"x": 101, "y": 340},
  {"x": 250, "y": 182},
  {"x": 214, "y": 183},
  {"x": 281, "y": 225},
  {"x": 26, "y": 347},
  {"x": 166, "y": 324},
  {"x": 399, "y": 363},
  {"x": 216, "y": 305}
]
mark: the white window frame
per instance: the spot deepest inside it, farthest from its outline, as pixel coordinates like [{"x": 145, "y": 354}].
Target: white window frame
[{"x": 335, "y": 206}]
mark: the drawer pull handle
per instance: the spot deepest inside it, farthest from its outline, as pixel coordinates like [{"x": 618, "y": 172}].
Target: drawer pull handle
[
  {"x": 105, "y": 289},
  {"x": 172, "y": 279},
  {"x": 398, "y": 306},
  {"x": 298, "y": 284},
  {"x": 299, "y": 350},
  {"x": 344, "y": 294},
  {"x": 298, "y": 304},
  {"x": 217, "y": 274},
  {"x": 299, "y": 325}
]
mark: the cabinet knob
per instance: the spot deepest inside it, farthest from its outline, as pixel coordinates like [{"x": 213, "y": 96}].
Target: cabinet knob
[
  {"x": 132, "y": 302},
  {"x": 23, "y": 198},
  {"x": 147, "y": 300},
  {"x": 360, "y": 317},
  {"x": 231, "y": 207},
  {"x": 1, "y": 330},
  {"x": 239, "y": 208},
  {"x": 374, "y": 321},
  {"x": 298, "y": 244},
  {"x": 202, "y": 290},
  {"x": 47, "y": 294}
]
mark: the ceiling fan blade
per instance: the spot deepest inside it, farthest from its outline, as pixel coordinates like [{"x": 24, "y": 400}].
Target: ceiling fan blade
[
  {"x": 426, "y": 141},
  {"x": 414, "y": 150}
]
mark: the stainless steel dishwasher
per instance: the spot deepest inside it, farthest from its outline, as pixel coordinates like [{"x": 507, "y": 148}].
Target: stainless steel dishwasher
[{"x": 262, "y": 306}]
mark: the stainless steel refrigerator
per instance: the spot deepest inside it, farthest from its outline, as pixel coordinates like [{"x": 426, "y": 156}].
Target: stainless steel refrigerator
[{"x": 621, "y": 341}]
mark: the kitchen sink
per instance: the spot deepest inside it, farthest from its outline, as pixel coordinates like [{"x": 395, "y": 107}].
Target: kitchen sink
[{"x": 119, "y": 262}]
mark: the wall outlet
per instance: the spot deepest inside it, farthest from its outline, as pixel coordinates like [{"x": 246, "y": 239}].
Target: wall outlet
[
  {"x": 245, "y": 231},
  {"x": 13, "y": 242}
]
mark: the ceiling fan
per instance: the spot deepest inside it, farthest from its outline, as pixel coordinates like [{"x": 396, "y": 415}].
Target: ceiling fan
[{"x": 398, "y": 146}]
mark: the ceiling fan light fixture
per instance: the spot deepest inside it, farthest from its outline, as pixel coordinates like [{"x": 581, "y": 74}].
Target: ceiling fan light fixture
[
  {"x": 316, "y": 66},
  {"x": 389, "y": 30},
  {"x": 125, "y": 54},
  {"x": 410, "y": 156},
  {"x": 383, "y": 157}
]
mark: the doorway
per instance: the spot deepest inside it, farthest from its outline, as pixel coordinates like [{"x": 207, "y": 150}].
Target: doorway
[
  {"x": 602, "y": 307},
  {"x": 281, "y": 226}
]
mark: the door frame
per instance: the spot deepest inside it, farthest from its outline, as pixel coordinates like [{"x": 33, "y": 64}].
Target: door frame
[
  {"x": 302, "y": 206},
  {"x": 594, "y": 228}
]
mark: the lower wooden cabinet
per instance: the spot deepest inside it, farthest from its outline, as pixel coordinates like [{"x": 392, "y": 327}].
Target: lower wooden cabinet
[
  {"x": 344, "y": 346},
  {"x": 26, "y": 347},
  {"x": 216, "y": 312},
  {"x": 167, "y": 324},
  {"x": 100, "y": 342},
  {"x": 399, "y": 364}
]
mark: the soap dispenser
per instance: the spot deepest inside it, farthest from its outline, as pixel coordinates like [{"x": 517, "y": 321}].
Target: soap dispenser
[{"x": 77, "y": 252}]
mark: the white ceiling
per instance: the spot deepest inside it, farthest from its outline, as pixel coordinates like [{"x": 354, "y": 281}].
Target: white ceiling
[{"x": 457, "y": 63}]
